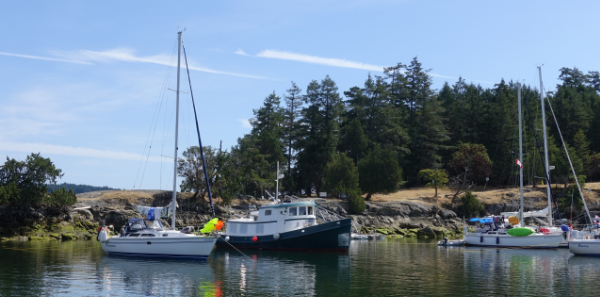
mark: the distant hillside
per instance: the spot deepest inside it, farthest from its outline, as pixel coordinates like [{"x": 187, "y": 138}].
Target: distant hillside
[{"x": 79, "y": 188}]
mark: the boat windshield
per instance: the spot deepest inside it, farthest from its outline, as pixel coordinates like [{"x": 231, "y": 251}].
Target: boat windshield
[{"x": 153, "y": 224}]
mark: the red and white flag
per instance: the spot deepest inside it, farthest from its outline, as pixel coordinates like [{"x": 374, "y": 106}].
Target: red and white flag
[{"x": 519, "y": 163}]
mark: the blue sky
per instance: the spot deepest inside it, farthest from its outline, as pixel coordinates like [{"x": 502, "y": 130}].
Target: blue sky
[{"x": 81, "y": 80}]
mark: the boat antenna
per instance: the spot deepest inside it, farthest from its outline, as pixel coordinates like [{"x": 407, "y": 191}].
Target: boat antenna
[{"x": 212, "y": 208}]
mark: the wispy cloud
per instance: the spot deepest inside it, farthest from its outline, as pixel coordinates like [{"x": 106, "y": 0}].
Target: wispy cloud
[
  {"x": 275, "y": 54},
  {"x": 283, "y": 55},
  {"x": 44, "y": 58},
  {"x": 51, "y": 149},
  {"x": 128, "y": 55},
  {"x": 245, "y": 123},
  {"x": 240, "y": 52}
]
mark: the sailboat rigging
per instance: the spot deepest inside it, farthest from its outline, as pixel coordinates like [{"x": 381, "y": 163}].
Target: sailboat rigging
[
  {"x": 520, "y": 236},
  {"x": 148, "y": 237}
]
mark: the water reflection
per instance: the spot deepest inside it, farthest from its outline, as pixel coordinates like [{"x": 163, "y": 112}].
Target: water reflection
[
  {"x": 403, "y": 267},
  {"x": 151, "y": 277},
  {"x": 266, "y": 273}
]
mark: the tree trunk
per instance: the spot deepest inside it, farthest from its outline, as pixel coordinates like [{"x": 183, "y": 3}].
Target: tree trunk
[{"x": 368, "y": 197}]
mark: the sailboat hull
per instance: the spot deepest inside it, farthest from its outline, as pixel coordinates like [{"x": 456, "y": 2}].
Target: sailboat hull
[
  {"x": 193, "y": 247},
  {"x": 534, "y": 241},
  {"x": 332, "y": 236},
  {"x": 585, "y": 247}
]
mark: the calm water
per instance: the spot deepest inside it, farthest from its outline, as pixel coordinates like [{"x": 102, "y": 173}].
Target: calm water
[{"x": 385, "y": 268}]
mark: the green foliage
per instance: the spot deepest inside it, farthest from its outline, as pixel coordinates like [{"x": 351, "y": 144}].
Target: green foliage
[
  {"x": 356, "y": 201},
  {"x": 571, "y": 198},
  {"x": 78, "y": 188},
  {"x": 25, "y": 182},
  {"x": 319, "y": 132},
  {"x": 435, "y": 178},
  {"x": 341, "y": 176},
  {"x": 452, "y": 129},
  {"x": 470, "y": 204},
  {"x": 471, "y": 162},
  {"x": 379, "y": 172},
  {"x": 223, "y": 176},
  {"x": 563, "y": 172},
  {"x": 61, "y": 196}
]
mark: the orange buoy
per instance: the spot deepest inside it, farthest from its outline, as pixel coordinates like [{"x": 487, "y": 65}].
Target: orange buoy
[
  {"x": 255, "y": 239},
  {"x": 219, "y": 225}
]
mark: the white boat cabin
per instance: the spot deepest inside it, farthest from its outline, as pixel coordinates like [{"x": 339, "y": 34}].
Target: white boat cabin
[{"x": 274, "y": 218}]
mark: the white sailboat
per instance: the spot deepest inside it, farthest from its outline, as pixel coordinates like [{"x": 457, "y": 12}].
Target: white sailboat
[
  {"x": 148, "y": 237},
  {"x": 502, "y": 237}
]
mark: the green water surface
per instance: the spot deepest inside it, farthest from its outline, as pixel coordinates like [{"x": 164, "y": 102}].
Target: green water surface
[{"x": 395, "y": 267}]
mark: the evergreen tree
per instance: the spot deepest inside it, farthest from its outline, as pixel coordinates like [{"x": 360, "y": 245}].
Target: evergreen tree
[
  {"x": 341, "y": 176},
  {"x": 292, "y": 114},
  {"x": 320, "y": 132},
  {"x": 426, "y": 126},
  {"x": 379, "y": 172}
]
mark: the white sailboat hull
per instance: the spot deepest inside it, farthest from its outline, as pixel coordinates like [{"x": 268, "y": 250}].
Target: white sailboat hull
[
  {"x": 196, "y": 247},
  {"x": 535, "y": 241},
  {"x": 585, "y": 247}
]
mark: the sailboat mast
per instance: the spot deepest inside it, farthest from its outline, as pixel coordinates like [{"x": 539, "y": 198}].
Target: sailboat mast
[
  {"x": 520, "y": 153},
  {"x": 176, "y": 129},
  {"x": 277, "y": 184},
  {"x": 546, "y": 160}
]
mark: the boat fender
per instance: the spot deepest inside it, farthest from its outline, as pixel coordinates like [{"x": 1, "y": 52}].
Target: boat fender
[
  {"x": 255, "y": 239},
  {"x": 98, "y": 233},
  {"x": 497, "y": 240},
  {"x": 481, "y": 239},
  {"x": 103, "y": 236},
  {"x": 226, "y": 238},
  {"x": 565, "y": 235},
  {"x": 276, "y": 236}
]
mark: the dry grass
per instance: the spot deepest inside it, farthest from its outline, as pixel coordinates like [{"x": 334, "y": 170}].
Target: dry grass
[
  {"x": 424, "y": 195},
  {"x": 489, "y": 196}
]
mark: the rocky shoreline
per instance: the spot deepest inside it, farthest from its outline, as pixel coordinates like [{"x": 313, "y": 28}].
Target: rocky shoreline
[{"x": 416, "y": 219}]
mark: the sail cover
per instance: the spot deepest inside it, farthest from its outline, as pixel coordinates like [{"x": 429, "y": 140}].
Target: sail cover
[
  {"x": 153, "y": 213},
  {"x": 526, "y": 214}
]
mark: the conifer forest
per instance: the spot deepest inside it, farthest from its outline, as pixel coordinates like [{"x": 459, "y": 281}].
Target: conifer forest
[{"x": 395, "y": 131}]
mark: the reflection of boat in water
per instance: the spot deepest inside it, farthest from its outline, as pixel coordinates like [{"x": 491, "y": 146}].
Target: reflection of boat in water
[
  {"x": 282, "y": 273},
  {"x": 155, "y": 277}
]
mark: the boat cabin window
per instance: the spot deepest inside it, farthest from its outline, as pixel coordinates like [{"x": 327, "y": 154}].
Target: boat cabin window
[
  {"x": 302, "y": 210},
  {"x": 154, "y": 224},
  {"x": 293, "y": 211},
  {"x": 268, "y": 212},
  {"x": 232, "y": 228},
  {"x": 147, "y": 235},
  {"x": 243, "y": 228},
  {"x": 260, "y": 228},
  {"x": 134, "y": 235},
  {"x": 310, "y": 210}
]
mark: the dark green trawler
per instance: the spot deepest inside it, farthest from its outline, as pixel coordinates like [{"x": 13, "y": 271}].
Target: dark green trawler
[{"x": 287, "y": 226}]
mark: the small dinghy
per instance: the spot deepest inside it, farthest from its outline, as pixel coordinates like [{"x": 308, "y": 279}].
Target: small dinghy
[{"x": 447, "y": 242}]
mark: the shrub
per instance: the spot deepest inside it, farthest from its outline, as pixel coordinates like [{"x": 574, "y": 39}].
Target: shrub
[{"x": 470, "y": 204}]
